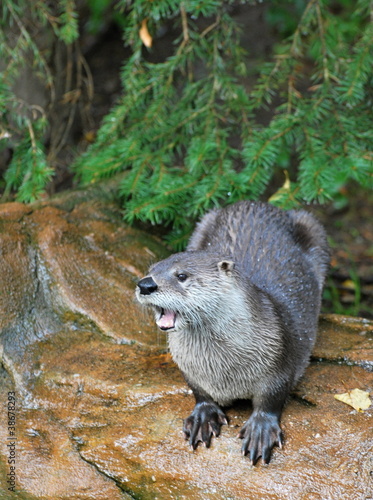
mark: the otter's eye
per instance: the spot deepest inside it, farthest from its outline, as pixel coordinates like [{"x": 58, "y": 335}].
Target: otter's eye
[{"x": 181, "y": 277}]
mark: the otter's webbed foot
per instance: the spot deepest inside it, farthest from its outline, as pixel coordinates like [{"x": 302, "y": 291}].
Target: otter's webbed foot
[
  {"x": 260, "y": 434},
  {"x": 204, "y": 422}
]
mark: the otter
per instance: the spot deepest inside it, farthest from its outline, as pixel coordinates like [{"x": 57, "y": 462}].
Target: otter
[{"x": 241, "y": 308}]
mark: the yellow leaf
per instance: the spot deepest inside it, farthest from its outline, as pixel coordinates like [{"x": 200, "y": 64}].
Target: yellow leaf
[
  {"x": 144, "y": 34},
  {"x": 284, "y": 189},
  {"x": 356, "y": 398},
  {"x": 349, "y": 284}
]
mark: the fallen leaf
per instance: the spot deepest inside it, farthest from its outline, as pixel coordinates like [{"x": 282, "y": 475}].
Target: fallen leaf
[
  {"x": 356, "y": 398},
  {"x": 90, "y": 136},
  {"x": 71, "y": 97},
  {"x": 284, "y": 189},
  {"x": 349, "y": 284},
  {"x": 144, "y": 34}
]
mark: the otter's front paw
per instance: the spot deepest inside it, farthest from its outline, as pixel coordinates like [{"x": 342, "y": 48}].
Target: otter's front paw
[
  {"x": 260, "y": 434},
  {"x": 204, "y": 422}
]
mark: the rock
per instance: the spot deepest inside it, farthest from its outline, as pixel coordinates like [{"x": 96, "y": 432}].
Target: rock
[{"x": 99, "y": 402}]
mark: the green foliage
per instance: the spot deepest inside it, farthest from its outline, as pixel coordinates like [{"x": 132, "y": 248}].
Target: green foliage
[
  {"x": 28, "y": 171},
  {"x": 333, "y": 298},
  {"x": 284, "y": 15},
  {"x": 188, "y": 139},
  {"x": 68, "y": 29},
  {"x": 23, "y": 126},
  {"x": 186, "y": 135}
]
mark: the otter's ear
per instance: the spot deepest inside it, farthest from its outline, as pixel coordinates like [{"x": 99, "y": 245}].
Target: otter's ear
[{"x": 226, "y": 266}]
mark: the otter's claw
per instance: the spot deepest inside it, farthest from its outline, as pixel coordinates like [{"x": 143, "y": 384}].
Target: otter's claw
[
  {"x": 204, "y": 422},
  {"x": 260, "y": 434}
]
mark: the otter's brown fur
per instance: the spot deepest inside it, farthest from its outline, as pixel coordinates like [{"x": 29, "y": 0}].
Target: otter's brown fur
[{"x": 241, "y": 308}]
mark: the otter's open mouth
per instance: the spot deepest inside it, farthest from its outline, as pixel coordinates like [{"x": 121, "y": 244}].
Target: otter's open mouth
[{"x": 166, "y": 320}]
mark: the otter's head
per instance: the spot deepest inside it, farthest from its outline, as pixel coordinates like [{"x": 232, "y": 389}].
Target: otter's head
[{"x": 187, "y": 289}]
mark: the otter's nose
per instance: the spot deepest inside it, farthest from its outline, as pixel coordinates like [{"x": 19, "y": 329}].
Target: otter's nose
[{"x": 147, "y": 286}]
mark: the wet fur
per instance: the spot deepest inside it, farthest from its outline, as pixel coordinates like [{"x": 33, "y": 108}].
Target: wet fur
[{"x": 247, "y": 313}]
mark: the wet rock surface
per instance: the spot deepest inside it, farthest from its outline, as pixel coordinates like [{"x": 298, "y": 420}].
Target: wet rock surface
[{"x": 100, "y": 404}]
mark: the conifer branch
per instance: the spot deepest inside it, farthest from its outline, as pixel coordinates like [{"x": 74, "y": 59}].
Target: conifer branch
[
  {"x": 184, "y": 21},
  {"x": 185, "y": 134},
  {"x": 322, "y": 38}
]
